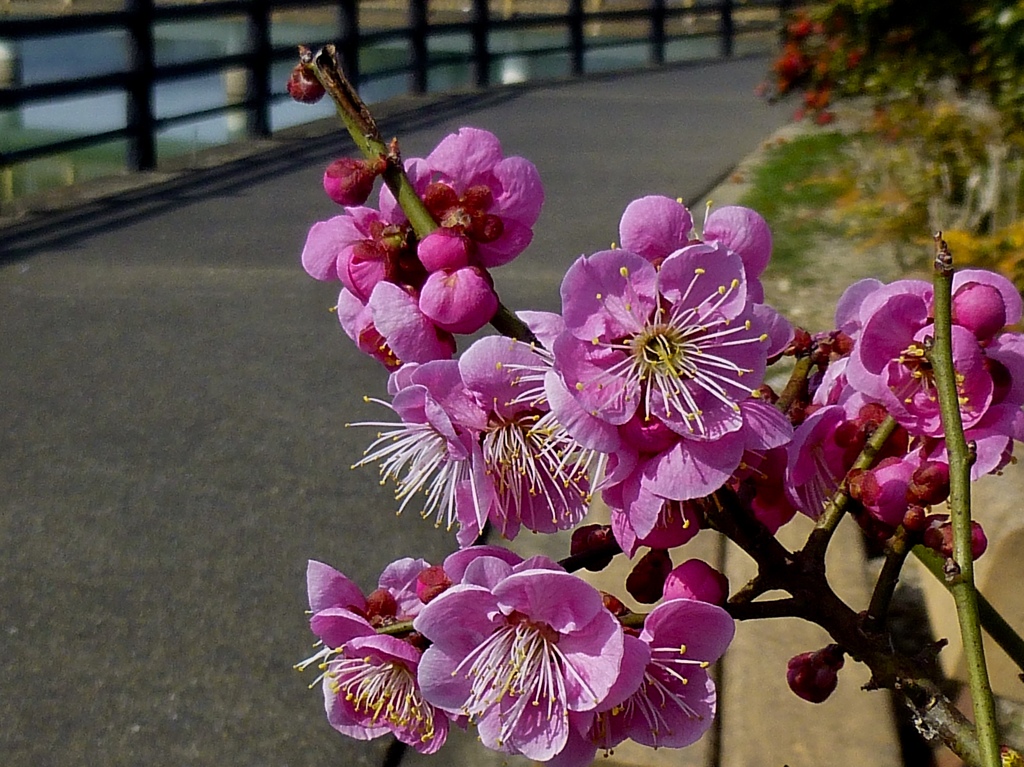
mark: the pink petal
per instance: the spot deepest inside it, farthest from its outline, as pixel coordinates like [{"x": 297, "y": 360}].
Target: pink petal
[
  {"x": 459, "y": 301},
  {"x": 466, "y": 157},
  {"x": 409, "y": 333},
  {"x": 522, "y": 193},
  {"x": 329, "y": 588},
  {"x": 655, "y": 226},
  {"x": 608, "y": 295},
  {"x": 743, "y": 231}
]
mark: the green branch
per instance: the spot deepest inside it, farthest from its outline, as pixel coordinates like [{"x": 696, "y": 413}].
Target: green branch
[{"x": 960, "y": 459}]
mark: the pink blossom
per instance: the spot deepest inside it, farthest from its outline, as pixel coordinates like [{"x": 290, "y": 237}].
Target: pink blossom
[
  {"x": 369, "y": 680},
  {"x": 517, "y": 655},
  {"x": 431, "y": 448},
  {"x": 491, "y": 200},
  {"x": 679, "y": 343},
  {"x": 675, "y": 701},
  {"x": 534, "y": 474}
]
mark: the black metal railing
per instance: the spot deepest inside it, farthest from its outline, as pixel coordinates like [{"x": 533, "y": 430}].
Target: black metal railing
[{"x": 137, "y": 20}]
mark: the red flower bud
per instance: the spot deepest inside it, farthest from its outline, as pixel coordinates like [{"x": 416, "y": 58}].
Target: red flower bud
[
  {"x": 647, "y": 580},
  {"x": 303, "y": 86},
  {"x": 915, "y": 520},
  {"x": 929, "y": 484},
  {"x": 813, "y": 676},
  {"x": 431, "y": 582},
  {"x": 349, "y": 181},
  {"x": 592, "y": 541},
  {"x": 381, "y": 603},
  {"x": 939, "y": 537}
]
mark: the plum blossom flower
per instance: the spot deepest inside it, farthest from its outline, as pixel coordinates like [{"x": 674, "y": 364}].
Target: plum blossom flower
[
  {"x": 665, "y": 698},
  {"x": 679, "y": 344},
  {"x": 369, "y": 679},
  {"x": 515, "y": 650},
  {"x": 489, "y": 200},
  {"x": 534, "y": 474},
  {"x": 430, "y": 450}
]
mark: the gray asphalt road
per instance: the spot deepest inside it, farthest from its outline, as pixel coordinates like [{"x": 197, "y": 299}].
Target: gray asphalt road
[{"x": 173, "y": 394}]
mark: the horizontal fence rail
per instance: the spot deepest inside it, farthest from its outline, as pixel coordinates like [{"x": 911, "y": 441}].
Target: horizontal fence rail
[{"x": 482, "y": 22}]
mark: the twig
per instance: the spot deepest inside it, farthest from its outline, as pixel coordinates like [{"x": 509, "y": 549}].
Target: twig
[
  {"x": 881, "y": 597},
  {"x": 962, "y": 584}
]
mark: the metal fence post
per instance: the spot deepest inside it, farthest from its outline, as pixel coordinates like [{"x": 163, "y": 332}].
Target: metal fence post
[
  {"x": 141, "y": 66},
  {"x": 418, "y": 45},
  {"x": 349, "y": 39},
  {"x": 481, "y": 26},
  {"x": 259, "y": 53},
  {"x": 658, "y": 32},
  {"x": 576, "y": 42},
  {"x": 726, "y": 29}
]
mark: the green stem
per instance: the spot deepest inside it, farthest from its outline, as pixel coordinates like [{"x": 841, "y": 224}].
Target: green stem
[
  {"x": 364, "y": 132},
  {"x": 994, "y": 624},
  {"x": 960, "y": 459},
  {"x": 796, "y": 387}
]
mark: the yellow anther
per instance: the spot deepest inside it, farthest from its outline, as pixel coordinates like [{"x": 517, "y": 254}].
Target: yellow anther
[
  {"x": 721, "y": 290},
  {"x": 699, "y": 270},
  {"x": 599, "y": 296},
  {"x": 624, "y": 271},
  {"x": 579, "y": 386},
  {"x": 497, "y": 366},
  {"x": 735, "y": 282}
]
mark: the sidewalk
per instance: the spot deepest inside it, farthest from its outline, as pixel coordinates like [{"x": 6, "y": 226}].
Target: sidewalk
[{"x": 173, "y": 450}]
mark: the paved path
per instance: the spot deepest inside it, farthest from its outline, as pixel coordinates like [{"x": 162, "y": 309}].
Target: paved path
[{"x": 172, "y": 398}]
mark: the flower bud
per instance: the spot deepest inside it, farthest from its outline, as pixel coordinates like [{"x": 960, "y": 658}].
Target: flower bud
[
  {"x": 382, "y": 604},
  {"x": 444, "y": 249},
  {"x": 939, "y": 537},
  {"x": 696, "y": 579},
  {"x": 915, "y": 520},
  {"x": 929, "y": 484},
  {"x": 460, "y": 301},
  {"x": 979, "y": 308},
  {"x": 813, "y": 676},
  {"x": 431, "y": 582},
  {"x": 303, "y": 86},
  {"x": 647, "y": 580},
  {"x": 588, "y": 539},
  {"x": 349, "y": 181}
]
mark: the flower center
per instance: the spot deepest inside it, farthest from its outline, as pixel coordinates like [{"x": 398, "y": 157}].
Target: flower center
[
  {"x": 520, "y": 668},
  {"x": 382, "y": 691},
  {"x": 533, "y": 456},
  {"x": 660, "y": 350}
]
